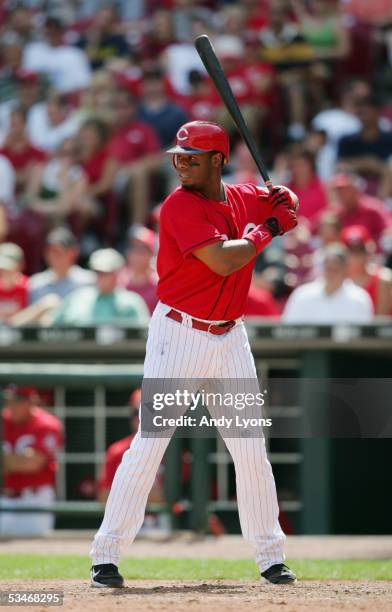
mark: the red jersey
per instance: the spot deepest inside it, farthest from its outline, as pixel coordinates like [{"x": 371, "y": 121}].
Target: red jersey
[
  {"x": 370, "y": 212},
  {"x": 313, "y": 198},
  {"x": 113, "y": 458},
  {"x": 94, "y": 166},
  {"x": 21, "y": 159},
  {"x": 261, "y": 303},
  {"x": 14, "y": 299},
  {"x": 42, "y": 432},
  {"x": 189, "y": 221},
  {"x": 133, "y": 142}
]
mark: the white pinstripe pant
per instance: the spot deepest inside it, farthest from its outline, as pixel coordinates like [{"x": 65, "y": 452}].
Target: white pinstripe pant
[{"x": 178, "y": 351}]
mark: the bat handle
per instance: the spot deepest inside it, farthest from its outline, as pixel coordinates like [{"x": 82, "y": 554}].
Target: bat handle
[{"x": 269, "y": 185}]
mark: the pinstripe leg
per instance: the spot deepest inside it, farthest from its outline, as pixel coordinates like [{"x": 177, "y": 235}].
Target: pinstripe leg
[
  {"x": 256, "y": 490},
  {"x": 172, "y": 350}
]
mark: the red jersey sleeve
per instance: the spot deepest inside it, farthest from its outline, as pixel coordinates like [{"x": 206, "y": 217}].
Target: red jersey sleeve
[
  {"x": 186, "y": 220},
  {"x": 48, "y": 441}
]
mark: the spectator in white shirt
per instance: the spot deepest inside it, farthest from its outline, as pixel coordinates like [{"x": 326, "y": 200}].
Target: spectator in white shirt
[
  {"x": 338, "y": 122},
  {"x": 50, "y": 123},
  {"x": 67, "y": 67},
  {"x": 331, "y": 299}
]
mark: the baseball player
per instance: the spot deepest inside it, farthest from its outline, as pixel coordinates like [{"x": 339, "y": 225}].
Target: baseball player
[{"x": 210, "y": 234}]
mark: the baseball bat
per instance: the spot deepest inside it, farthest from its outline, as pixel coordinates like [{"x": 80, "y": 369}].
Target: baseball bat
[{"x": 215, "y": 70}]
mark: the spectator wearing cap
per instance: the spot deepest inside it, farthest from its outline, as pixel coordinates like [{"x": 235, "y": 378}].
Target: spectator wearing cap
[
  {"x": 18, "y": 149},
  {"x": 368, "y": 152},
  {"x": 331, "y": 299},
  {"x": 139, "y": 274},
  {"x": 67, "y": 67},
  {"x": 356, "y": 208},
  {"x": 364, "y": 272},
  {"x": 13, "y": 284},
  {"x": 32, "y": 440},
  {"x": 63, "y": 275},
  {"x": 135, "y": 146},
  {"x": 104, "y": 303}
]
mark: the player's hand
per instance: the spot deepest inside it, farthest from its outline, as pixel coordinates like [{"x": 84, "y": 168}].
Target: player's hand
[
  {"x": 283, "y": 195},
  {"x": 283, "y": 220}
]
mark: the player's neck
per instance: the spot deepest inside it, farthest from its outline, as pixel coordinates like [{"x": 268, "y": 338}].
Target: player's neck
[{"x": 215, "y": 192}]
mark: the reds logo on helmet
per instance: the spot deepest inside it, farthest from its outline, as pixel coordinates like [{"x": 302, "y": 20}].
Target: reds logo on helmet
[{"x": 198, "y": 137}]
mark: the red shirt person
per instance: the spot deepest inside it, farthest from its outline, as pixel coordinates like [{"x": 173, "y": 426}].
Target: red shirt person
[
  {"x": 19, "y": 150},
  {"x": 14, "y": 292},
  {"x": 356, "y": 208},
  {"x": 210, "y": 235},
  {"x": 139, "y": 274},
  {"x": 32, "y": 439}
]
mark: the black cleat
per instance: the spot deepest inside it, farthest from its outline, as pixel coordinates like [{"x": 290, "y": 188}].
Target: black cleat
[
  {"x": 106, "y": 575},
  {"x": 279, "y": 574}
]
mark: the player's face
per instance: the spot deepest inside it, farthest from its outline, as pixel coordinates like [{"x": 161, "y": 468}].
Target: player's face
[
  {"x": 19, "y": 409},
  {"x": 194, "y": 171}
]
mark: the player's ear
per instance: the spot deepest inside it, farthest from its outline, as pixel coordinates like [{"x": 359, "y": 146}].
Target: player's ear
[{"x": 217, "y": 160}]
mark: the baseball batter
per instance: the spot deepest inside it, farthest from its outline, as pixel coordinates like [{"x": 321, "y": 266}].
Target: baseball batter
[{"x": 210, "y": 234}]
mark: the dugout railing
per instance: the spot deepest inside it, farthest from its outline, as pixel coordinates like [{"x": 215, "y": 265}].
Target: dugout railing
[{"x": 91, "y": 371}]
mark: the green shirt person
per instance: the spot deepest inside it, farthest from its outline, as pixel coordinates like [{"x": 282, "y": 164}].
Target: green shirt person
[{"x": 104, "y": 303}]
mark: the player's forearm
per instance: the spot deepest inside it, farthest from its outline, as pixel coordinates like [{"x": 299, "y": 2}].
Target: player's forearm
[
  {"x": 234, "y": 254},
  {"x": 26, "y": 463}
]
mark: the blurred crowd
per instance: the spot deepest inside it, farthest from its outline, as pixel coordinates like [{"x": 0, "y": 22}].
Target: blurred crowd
[{"x": 92, "y": 93}]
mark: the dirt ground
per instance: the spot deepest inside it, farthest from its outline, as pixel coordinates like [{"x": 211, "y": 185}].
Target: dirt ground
[
  {"x": 213, "y": 595},
  {"x": 216, "y": 596}
]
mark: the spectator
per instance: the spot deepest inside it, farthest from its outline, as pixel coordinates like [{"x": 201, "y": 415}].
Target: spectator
[
  {"x": 99, "y": 167},
  {"x": 179, "y": 58},
  {"x": 66, "y": 67},
  {"x": 328, "y": 232},
  {"x": 230, "y": 50},
  {"x": 306, "y": 184},
  {"x": 156, "y": 109},
  {"x": 140, "y": 275},
  {"x": 58, "y": 190},
  {"x": 102, "y": 41},
  {"x": 340, "y": 121},
  {"x": 96, "y": 101},
  {"x": 51, "y": 122},
  {"x": 13, "y": 284},
  {"x": 7, "y": 193},
  {"x": 135, "y": 146},
  {"x": 284, "y": 47},
  {"x": 11, "y": 58},
  {"x": 198, "y": 103},
  {"x": 356, "y": 208},
  {"x": 330, "y": 299},
  {"x": 32, "y": 439},
  {"x": 375, "y": 279},
  {"x": 260, "y": 304},
  {"x": 322, "y": 28},
  {"x": 63, "y": 275},
  {"x": 29, "y": 92},
  {"x": 105, "y": 303},
  {"x": 18, "y": 149},
  {"x": 244, "y": 167},
  {"x": 367, "y": 152}
]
